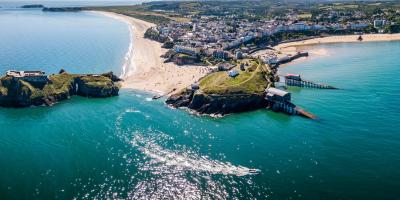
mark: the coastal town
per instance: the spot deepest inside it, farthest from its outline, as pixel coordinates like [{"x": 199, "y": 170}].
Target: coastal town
[
  {"x": 200, "y": 99},
  {"x": 217, "y": 58},
  {"x": 223, "y": 41},
  {"x": 211, "y": 38}
]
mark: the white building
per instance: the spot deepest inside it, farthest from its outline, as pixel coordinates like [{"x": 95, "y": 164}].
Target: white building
[{"x": 379, "y": 23}]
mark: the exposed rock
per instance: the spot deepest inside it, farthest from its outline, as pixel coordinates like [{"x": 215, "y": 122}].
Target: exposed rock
[
  {"x": 214, "y": 104},
  {"x": 96, "y": 86},
  {"x": 111, "y": 76},
  {"x": 62, "y": 71}
]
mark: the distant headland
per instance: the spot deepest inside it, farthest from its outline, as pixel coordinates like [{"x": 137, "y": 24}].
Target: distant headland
[
  {"x": 35, "y": 88},
  {"x": 33, "y": 6}
]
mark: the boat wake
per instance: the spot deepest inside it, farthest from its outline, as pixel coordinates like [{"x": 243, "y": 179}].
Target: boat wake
[
  {"x": 181, "y": 161},
  {"x": 158, "y": 172},
  {"x": 187, "y": 161}
]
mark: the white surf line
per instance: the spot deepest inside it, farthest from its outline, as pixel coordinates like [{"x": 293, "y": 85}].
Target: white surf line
[{"x": 126, "y": 67}]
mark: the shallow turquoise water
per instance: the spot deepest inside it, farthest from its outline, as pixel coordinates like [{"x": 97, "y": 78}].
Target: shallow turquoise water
[{"x": 130, "y": 146}]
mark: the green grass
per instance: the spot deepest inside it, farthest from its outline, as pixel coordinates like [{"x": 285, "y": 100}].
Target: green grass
[
  {"x": 3, "y": 89},
  {"x": 305, "y": 16},
  {"x": 59, "y": 84},
  {"x": 143, "y": 13},
  {"x": 340, "y": 6},
  {"x": 249, "y": 81},
  {"x": 97, "y": 81}
]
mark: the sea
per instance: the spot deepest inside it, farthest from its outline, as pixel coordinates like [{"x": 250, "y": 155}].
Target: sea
[{"x": 133, "y": 147}]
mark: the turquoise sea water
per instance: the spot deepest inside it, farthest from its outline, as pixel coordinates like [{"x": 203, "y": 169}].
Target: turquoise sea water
[
  {"x": 78, "y": 42},
  {"x": 131, "y": 147}
]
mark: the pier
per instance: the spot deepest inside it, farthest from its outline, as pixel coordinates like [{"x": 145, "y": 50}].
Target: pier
[
  {"x": 290, "y": 58},
  {"x": 296, "y": 80},
  {"x": 304, "y": 113}
]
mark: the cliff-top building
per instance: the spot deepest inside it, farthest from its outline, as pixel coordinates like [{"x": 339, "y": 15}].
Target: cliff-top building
[{"x": 28, "y": 76}]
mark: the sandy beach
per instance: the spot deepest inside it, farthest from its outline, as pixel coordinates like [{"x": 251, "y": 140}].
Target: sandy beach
[
  {"x": 145, "y": 69},
  {"x": 306, "y": 44},
  {"x": 311, "y": 47}
]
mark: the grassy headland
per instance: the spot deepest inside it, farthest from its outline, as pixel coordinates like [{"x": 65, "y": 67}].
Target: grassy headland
[{"x": 254, "y": 79}]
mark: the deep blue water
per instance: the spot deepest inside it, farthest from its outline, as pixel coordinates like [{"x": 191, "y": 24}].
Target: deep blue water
[{"x": 131, "y": 147}]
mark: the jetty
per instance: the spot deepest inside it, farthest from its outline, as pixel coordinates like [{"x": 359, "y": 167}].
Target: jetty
[
  {"x": 290, "y": 58},
  {"x": 296, "y": 80},
  {"x": 275, "y": 61}
]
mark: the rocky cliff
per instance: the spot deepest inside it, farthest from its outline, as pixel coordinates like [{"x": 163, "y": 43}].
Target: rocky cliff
[
  {"x": 217, "y": 104},
  {"x": 15, "y": 92}
]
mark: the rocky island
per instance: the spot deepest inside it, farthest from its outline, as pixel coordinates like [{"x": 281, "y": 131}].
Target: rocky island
[{"x": 34, "y": 88}]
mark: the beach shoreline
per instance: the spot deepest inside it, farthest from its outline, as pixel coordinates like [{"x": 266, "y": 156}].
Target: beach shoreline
[
  {"x": 311, "y": 43},
  {"x": 144, "y": 68}
]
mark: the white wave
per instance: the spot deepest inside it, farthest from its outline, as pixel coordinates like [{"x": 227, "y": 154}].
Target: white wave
[
  {"x": 187, "y": 160},
  {"x": 131, "y": 110},
  {"x": 126, "y": 67}
]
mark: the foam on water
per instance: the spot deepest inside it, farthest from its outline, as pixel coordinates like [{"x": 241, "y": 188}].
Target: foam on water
[
  {"x": 127, "y": 69},
  {"x": 131, "y": 110}
]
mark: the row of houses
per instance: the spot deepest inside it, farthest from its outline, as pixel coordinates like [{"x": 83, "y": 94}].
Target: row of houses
[{"x": 222, "y": 36}]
